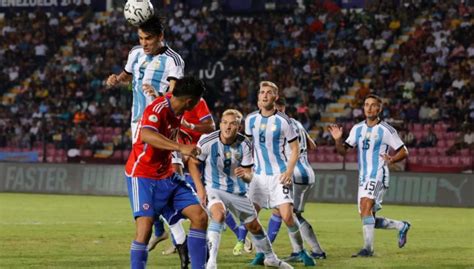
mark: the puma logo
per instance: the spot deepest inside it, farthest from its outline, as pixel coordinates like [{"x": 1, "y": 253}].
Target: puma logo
[{"x": 457, "y": 190}]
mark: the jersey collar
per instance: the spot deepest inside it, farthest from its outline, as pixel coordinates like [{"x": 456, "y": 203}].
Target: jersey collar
[
  {"x": 378, "y": 122},
  {"x": 274, "y": 113}
]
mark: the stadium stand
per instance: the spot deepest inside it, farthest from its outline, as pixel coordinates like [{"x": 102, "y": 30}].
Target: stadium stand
[{"x": 325, "y": 60}]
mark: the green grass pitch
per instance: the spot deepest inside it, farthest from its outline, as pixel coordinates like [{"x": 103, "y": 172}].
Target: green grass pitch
[{"x": 58, "y": 231}]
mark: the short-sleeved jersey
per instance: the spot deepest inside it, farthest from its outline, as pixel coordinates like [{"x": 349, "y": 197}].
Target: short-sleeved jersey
[
  {"x": 372, "y": 143},
  {"x": 145, "y": 160},
  {"x": 269, "y": 136},
  {"x": 220, "y": 160},
  {"x": 302, "y": 165},
  {"x": 156, "y": 70},
  {"x": 195, "y": 116}
]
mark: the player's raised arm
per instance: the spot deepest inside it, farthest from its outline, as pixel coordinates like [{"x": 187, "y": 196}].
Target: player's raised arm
[
  {"x": 336, "y": 133},
  {"x": 204, "y": 127},
  {"x": 114, "y": 79}
]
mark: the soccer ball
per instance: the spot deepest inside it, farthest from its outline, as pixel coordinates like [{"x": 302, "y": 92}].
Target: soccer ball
[{"x": 138, "y": 11}]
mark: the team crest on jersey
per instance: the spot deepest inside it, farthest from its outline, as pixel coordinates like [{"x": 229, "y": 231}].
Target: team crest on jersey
[
  {"x": 274, "y": 127},
  {"x": 153, "y": 118},
  {"x": 146, "y": 206},
  {"x": 237, "y": 155},
  {"x": 263, "y": 126},
  {"x": 228, "y": 155},
  {"x": 156, "y": 64},
  {"x": 367, "y": 135}
]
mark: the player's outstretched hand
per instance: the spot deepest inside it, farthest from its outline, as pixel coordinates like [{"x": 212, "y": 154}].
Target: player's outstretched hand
[
  {"x": 190, "y": 150},
  {"x": 336, "y": 131},
  {"x": 149, "y": 90},
  {"x": 285, "y": 178},
  {"x": 112, "y": 80}
]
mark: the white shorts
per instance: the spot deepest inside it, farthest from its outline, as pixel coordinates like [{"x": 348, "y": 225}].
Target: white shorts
[
  {"x": 268, "y": 192},
  {"x": 240, "y": 206},
  {"x": 374, "y": 190},
  {"x": 300, "y": 194}
]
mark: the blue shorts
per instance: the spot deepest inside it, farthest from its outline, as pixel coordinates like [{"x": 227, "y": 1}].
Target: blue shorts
[
  {"x": 171, "y": 215},
  {"x": 150, "y": 197}
]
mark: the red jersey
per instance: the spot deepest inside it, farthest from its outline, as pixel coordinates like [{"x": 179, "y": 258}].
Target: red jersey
[
  {"x": 145, "y": 160},
  {"x": 199, "y": 113}
]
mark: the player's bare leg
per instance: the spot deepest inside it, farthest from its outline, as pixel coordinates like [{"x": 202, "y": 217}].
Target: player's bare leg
[
  {"x": 218, "y": 213},
  {"x": 138, "y": 250},
  {"x": 368, "y": 225}
]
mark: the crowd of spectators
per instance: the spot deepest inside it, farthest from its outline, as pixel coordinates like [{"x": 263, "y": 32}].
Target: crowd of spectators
[{"x": 314, "y": 54}]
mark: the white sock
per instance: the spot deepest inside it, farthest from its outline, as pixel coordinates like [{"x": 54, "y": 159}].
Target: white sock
[
  {"x": 178, "y": 232},
  {"x": 295, "y": 238},
  {"x": 214, "y": 238},
  {"x": 384, "y": 223},
  {"x": 309, "y": 236},
  {"x": 368, "y": 231}
]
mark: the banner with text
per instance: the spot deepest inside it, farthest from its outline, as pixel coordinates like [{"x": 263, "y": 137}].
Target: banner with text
[
  {"x": 11, "y": 6},
  {"x": 331, "y": 186}
]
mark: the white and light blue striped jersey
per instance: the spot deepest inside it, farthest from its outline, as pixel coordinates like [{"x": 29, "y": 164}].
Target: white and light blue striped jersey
[
  {"x": 220, "y": 160},
  {"x": 304, "y": 173},
  {"x": 269, "y": 136},
  {"x": 155, "y": 70},
  {"x": 372, "y": 143}
]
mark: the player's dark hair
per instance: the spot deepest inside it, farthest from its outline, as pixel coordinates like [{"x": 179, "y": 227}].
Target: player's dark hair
[
  {"x": 281, "y": 101},
  {"x": 152, "y": 26},
  {"x": 189, "y": 86},
  {"x": 373, "y": 96}
]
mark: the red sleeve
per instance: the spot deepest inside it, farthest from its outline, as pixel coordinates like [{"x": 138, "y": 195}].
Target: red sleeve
[
  {"x": 202, "y": 110},
  {"x": 151, "y": 119}
]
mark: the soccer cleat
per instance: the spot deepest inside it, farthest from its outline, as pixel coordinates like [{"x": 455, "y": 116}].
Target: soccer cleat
[
  {"x": 155, "y": 240},
  {"x": 238, "y": 248},
  {"x": 248, "y": 246},
  {"x": 318, "y": 256},
  {"x": 169, "y": 251},
  {"x": 258, "y": 260},
  {"x": 294, "y": 257},
  {"x": 307, "y": 260},
  {"x": 363, "y": 253},
  {"x": 277, "y": 263},
  {"x": 183, "y": 254},
  {"x": 402, "y": 235}
]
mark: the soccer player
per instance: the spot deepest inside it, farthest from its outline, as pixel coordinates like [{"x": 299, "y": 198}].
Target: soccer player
[
  {"x": 373, "y": 139},
  {"x": 152, "y": 67},
  {"x": 195, "y": 122},
  {"x": 303, "y": 182},
  {"x": 227, "y": 156},
  {"x": 152, "y": 183},
  {"x": 270, "y": 130}
]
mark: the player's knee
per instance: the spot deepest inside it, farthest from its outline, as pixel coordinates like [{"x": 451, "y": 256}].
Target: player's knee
[
  {"x": 218, "y": 216},
  {"x": 200, "y": 219},
  {"x": 254, "y": 227}
]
